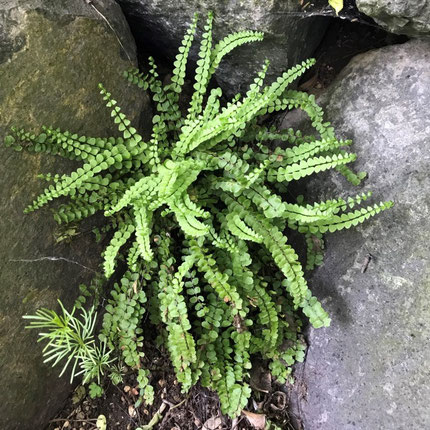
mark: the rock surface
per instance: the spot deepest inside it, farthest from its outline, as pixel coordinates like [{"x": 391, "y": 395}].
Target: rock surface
[
  {"x": 53, "y": 53},
  {"x": 410, "y": 17},
  {"x": 290, "y": 36},
  {"x": 370, "y": 369}
]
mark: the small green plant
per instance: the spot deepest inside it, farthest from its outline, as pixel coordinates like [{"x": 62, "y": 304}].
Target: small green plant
[
  {"x": 200, "y": 216},
  {"x": 71, "y": 339}
]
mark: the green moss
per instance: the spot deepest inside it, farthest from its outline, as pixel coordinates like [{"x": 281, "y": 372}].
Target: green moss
[{"x": 54, "y": 78}]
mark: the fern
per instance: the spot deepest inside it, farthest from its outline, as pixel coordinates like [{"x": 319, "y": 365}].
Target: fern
[{"x": 187, "y": 209}]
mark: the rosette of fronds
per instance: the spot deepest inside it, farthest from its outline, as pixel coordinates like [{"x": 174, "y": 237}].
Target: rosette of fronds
[{"x": 197, "y": 211}]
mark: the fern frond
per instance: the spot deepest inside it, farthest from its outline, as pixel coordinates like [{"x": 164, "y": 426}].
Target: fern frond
[
  {"x": 239, "y": 228},
  {"x": 143, "y": 230},
  {"x": 231, "y": 42},
  {"x": 217, "y": 280},
  {"x": 308, "y": 167},
  {"x": 174, "y": 314},
  {"x": 133, "y": 140},
  {"x": 180, "y": 64},
  {"x": 314, "y": 250},
  {"x": 120, "y": 237},
  {"x": 134, "y": 76},
  {"x": 202, "y": 71},
  {"x": 346, "y": 220}
]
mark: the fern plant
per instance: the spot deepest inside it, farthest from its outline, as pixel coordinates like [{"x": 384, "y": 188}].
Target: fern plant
[{"x": 199, "y": 214}]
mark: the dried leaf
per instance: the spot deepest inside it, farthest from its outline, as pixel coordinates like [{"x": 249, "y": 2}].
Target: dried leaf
[
  {"x": 101, "y": 422},
  {"x": 278, "y": 401},
  {"x": 261, "y": 379},
  {"x": 213, "y": 423},
  {"x": 132, "y": 411},
  {"x": 135, "y": 286},
  {"x": 258, "y": 421},
  {"x": 337, "y": 5},
  {"x": 79, "y": 394}
]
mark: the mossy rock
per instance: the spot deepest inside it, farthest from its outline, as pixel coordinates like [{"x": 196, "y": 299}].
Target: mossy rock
[
  {"x": 52, "y": 56},
  {"x": 401, "y": 16}
]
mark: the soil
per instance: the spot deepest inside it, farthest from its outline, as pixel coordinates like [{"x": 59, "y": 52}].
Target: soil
[{"x": 198, "y": 409}]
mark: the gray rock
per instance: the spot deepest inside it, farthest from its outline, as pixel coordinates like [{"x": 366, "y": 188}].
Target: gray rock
[
  {"x": 410, "y": 17},
  {"x": 290, "y": 36},
  {"x": 370, "y": 369},
  {"x": 52, "y": 56}
]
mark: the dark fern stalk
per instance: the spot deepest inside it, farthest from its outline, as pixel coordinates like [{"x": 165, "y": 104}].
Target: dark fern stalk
[{"x": 195, "y": 213}]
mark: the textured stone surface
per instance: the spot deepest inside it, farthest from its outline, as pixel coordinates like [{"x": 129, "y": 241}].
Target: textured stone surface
[
  {"x": 410, "y": 17},
  {"x": 52, "y": 55},
  {"x": 370, "y": 369},
  {"x": 289, "y": 36}
]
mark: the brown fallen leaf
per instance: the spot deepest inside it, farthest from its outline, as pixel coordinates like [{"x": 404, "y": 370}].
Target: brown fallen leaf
[
  {"x": 131, "y": 411},
  {"x": 258, "y": 421},
  {"x": 278, "y": 401},
  {"x": 261, "y": 379},
  {"x": 135, "y": 286},
  {"x": 213, "y": 423}
]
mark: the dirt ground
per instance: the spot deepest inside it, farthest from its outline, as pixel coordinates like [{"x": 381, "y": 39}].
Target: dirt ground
[{"x": 198, "y": 409}]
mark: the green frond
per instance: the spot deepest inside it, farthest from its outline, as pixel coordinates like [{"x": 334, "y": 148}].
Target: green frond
[
  {"x": 217, "y": 280},
  {"x": 175, "y": 315},
  {"x": 230, "y": 42},
  {"x": 202, "y": 75},
  {"x": 143, "y": 218},
  {"x": 256, "y": 86},
  {"x": 120, "y": 237},
  {"x": 134, "y": 76},
  {"x": 346, "y": 220},
  {"x": 133, "y": 140},
  {"x": 308, "y": 167},
  {"x": 239, "y": 228},
  {"x": 314, "y": 250},
  {"x": 180, "y": 63}
]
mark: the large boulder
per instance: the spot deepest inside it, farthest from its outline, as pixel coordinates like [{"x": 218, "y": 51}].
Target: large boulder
[
  {"x": 53, "y": 53},
  {"x": 370, "y": 369},
  {"x": 290, "y": 36},
  {"x": 410, "y": 17}
]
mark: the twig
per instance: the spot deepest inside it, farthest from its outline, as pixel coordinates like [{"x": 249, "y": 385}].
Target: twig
[
  {"x": 36, "y": 260},
  {"x": 56, "y": 420},
  {"x": 172, "y": 405},
  {"x": 156, "y": 418},
  {"x": 235, "y": 424}
]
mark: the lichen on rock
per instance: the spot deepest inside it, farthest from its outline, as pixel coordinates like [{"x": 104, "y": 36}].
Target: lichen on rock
[
  {"x": 370, "y": 368},
  {"x": 410, "y": 17}
]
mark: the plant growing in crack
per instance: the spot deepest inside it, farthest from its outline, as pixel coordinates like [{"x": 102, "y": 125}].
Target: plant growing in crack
[{"x": 200, "y": 216}]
